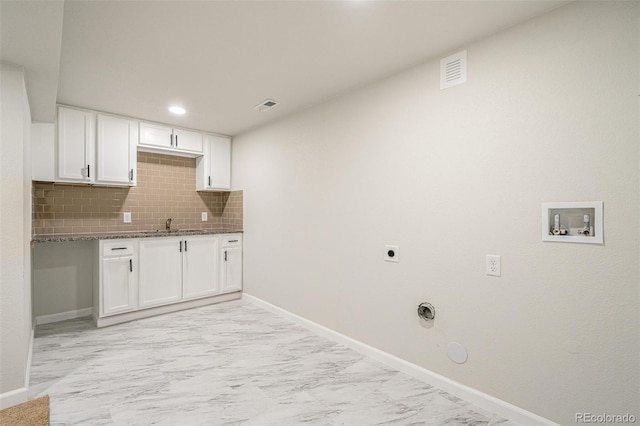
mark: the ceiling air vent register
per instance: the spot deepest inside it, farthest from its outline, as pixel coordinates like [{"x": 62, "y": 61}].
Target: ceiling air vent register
[
  {"x": 453, "y": 70},
  {"x": 266, "y": 105}
]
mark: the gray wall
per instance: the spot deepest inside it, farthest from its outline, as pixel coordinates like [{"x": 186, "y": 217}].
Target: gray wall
[
  {"x": 15, "y": 233},
  {"x": 549, "y": 113},
  {"x": 62, "y": 277}
]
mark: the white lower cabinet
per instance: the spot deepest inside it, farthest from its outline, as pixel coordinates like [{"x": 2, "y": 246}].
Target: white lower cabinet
[
  {"x": 200, "y": 266},
  {"x": 160, "y": 280},
  {"x": 119, "y": 282},
  {"x": 136, "y": 274},
  {"x": 231, "y": 263}
]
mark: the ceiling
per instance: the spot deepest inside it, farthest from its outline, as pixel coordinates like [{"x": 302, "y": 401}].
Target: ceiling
[
  {"x": 219, "y": 59},
  {"x": 30, "y": 37}
]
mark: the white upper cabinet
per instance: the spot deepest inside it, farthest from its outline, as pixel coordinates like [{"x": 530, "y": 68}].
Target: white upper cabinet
[
  {"x": 75, "y": 145},
  {"x": 116, "y": 154},
  {"x": 185, "y": 140},
  {"x": 155, "y": 135},
  {"x": 164, "y": 139},
  {"x": 101, "y": 152},
  {"x": 213, "y": 169},
  {"x": 101, "y": 149}
]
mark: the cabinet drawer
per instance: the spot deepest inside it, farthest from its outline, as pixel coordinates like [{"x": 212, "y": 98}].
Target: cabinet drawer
[
  {"x": 117, "y": 248},
  {"x": 232, "y": 240}
]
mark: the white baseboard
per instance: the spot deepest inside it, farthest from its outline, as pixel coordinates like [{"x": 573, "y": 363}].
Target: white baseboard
[
  {"x": 78, "y": 313},
  {"x": 11, "y": 398},
  {"x": 479, "y": 399},
  {"x": 160, "y": 310}
]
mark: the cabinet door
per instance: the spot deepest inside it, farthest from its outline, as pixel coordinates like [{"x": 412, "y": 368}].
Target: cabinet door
[
  {"x": 160, "y": 279},
  {"x": 75, "y": 146},
  {"x": 231, "y": 264},
  {"x": 155, "y": 135},
  {"x": 116, "y": 151},
  {"x": 185, "y": 140},
  {"x": 118, "y": 285},
  {"x": 213, "y": 169},
  {"x": 200, "y": 267},
  {"x": 219, "y": 156}
]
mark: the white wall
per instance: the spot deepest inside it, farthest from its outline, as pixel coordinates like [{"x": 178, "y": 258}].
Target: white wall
[
  {"x": 15, "y": 236},
  {"x": 549, "y": 113}
]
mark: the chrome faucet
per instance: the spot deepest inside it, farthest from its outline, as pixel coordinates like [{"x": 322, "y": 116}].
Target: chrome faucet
[{"x": 167, "y": 224}]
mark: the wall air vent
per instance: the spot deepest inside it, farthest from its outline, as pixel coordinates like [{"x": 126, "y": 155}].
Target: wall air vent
[
  {"x": 453, "y": 70},
  {"x": 266, "y": 105}
]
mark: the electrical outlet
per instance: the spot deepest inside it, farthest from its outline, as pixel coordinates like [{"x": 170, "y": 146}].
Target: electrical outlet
[
  {"x": 493, "y": 265},
  {"x": 391, "y": 253},
  {"x": 204, "y": 216},
  {"x": 126, "y": 217}
]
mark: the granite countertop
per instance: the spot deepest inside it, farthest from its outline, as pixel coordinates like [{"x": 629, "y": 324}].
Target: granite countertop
[{"x": 54, "y": 238}]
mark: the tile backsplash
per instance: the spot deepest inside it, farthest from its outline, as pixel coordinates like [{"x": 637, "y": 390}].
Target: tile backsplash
[{"x": 166, "y": 188}]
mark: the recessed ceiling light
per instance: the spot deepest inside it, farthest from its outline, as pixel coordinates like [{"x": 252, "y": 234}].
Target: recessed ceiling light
[{"x": 177, "y": 110}]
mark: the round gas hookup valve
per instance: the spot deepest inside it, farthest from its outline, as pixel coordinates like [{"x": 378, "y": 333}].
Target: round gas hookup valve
[{"x": 426, "y": 311}]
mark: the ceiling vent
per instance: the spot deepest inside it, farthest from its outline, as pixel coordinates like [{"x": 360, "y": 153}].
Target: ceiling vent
[
  {"x": 453, "y": 70},
  {"x": 266, "y": 105}
]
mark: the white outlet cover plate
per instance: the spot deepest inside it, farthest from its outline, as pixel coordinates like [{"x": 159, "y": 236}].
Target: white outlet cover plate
[
  {"x": 457, "y": 353},
  {"x": 493, "y": 265},
  {"x": 391, "y": 253},
  {"x": 126, "y": 217},
  {"x": 204, "y": 216}
]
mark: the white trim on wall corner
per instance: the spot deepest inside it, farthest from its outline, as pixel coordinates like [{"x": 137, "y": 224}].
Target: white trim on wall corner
[
  {"x": 11, "y": 398},
  {"x": 480, "y": 399},
  {"x": 78, "y": 313},
  {"x": 27, "y": 374},
  {"x": 20, "y": 395}
]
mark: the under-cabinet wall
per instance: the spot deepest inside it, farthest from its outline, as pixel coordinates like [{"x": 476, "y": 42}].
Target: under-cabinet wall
[
  {"x": 166, "y": 188},
  {"x": 62, "y": 276}
]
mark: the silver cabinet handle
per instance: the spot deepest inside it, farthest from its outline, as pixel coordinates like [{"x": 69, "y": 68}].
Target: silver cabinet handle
[
  {"x": 88, "y": 170},
  {"x": 209, "y": 180},
  {"x": 119, "y": 248},
  {"x": 185, "y": 245},
  {"x": 176, "y": 141},
  {"x": 233, "y": 241},
  {"x": 171, "y": 139},
  {"x": 130, "y": 265},
  {"x": 131, "y": 175},
  {"x": 180, "y": 246},
  {"x": 225, "y": 255}
]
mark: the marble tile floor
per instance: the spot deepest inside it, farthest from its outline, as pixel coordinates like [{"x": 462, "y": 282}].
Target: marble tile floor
[{"x": 227, "y": 364}]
